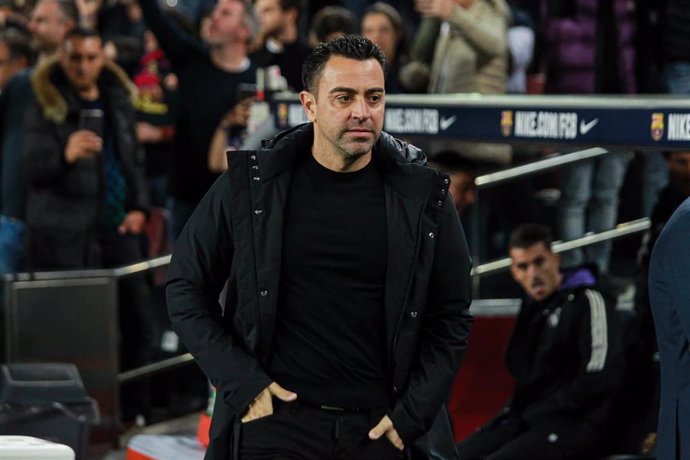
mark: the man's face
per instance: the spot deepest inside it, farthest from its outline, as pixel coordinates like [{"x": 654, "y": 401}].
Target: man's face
[
  {"x": 9, "y": 66},
  {"x": 82, "y": 61},
  {"x": 378, "y": 28},
  {"x": 48, "y": 27},
  {"x": 226, "y": 25},
  {"x": 347, "y": 108},
  {"x": 678, "y": 164},
  {"x": 536, "y": 269},
  {"x": 271, "y": 17},
  {"x": 462, "y": 189}
]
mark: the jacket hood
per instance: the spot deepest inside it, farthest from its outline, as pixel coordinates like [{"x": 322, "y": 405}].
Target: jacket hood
[{"x": 52, "y": 101}]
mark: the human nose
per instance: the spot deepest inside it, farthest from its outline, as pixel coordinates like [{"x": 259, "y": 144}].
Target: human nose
[{"x": 360, "y": 109}]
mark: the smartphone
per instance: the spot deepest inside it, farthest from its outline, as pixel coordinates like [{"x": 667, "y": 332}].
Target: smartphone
[{"x": 91, "y": 120}]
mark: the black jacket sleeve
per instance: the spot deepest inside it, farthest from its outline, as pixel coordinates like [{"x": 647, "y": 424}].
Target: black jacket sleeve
[{"x": 201, "y": 264}]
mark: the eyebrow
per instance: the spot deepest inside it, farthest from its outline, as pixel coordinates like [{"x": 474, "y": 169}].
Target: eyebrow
[{"x": 343, "y": 89}]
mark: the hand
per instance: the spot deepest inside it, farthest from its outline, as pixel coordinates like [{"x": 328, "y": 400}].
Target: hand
[
  {"x": 442, "y": 9},
  {"x": 148, "y": 133},
  {"x": 81, "y": 145},
  {"x": 262, "y": 406},
  {"x": 88, "y": 12},
  {"x": 386, "y": 427},
  {"x": 134, "y": 223}
]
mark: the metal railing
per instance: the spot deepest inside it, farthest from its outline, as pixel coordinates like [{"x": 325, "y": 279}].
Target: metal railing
[
  {"x": 624, "y": 229},
  {"x": 155, "y": 368},
  {"x": 556, "y": 160}
]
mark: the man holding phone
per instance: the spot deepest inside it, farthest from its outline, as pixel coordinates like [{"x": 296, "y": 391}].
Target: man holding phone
[{"x": 87, "y": 196}]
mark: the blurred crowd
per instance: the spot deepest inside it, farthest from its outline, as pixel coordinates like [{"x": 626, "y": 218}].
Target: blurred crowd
[{"x": 86, "y": 175}]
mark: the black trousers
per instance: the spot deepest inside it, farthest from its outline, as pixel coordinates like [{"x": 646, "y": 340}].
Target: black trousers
[
  {"x": 299, "y": 431},
  {"x": 516, "y": 439}
]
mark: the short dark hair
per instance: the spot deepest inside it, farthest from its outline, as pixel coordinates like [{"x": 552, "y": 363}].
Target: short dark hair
[
  {"x": 527, "y": 235},
  {"x": 82, "y": 32},
  {"x": 348, "y": 46},
  {"x": 332, "y": 19},
  {"x": 391, "y": 13},
  {"x": 18, "y": 44}
]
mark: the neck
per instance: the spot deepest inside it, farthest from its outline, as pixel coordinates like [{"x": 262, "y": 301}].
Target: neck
[
  {"x": 339, "y": 163},
  {"x": 89, "y": 94},
  {"x": 229, "y": 56},
  {"x": 45, "y": 55}
]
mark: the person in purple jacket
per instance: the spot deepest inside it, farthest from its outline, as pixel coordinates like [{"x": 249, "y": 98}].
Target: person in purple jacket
[{"x": 589, "y": 48}]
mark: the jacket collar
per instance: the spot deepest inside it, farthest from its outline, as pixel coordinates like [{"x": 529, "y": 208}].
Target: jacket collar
[
  {"x": 48, "y": 82},
  {"x": 399, "y": 160}
]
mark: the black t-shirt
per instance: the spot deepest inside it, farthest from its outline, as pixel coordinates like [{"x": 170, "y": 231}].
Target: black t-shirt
[
  {"x": 328, "y": 344},
  {"x": 290, "y": 61}
]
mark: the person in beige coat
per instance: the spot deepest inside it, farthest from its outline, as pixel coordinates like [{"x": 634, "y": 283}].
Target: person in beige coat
[
  {"x": 470, "y": 56},
  {"x": 471, "y": 52}
]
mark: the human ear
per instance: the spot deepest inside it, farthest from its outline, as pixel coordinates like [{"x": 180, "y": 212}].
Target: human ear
[{"x": 308, "y": 101}]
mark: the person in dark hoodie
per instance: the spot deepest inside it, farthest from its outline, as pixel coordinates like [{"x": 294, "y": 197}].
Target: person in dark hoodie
[{"x": 564, "y": 356}]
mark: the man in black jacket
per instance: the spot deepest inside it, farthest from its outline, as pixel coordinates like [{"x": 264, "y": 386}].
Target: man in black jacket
[
  {"x": 87, "y": 197},
  {"x": 565, "y": 358},
  {"x": 347, "y": 274}
]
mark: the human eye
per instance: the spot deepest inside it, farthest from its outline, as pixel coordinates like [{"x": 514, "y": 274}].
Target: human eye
[
  {"x": 344, "y": 98},
  {"x": 376, "y": 99}
]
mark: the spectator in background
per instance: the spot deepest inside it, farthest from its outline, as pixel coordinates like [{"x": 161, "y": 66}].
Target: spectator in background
[
  {"x": 331, "y": 22},
  {"x": 13, "y": 13},
  {"x": 565, "y": 358},
  {"x": 589, "y": 49},
  {"x": 156, "y": 104},
  {"x": 15, "y": 54},
  {"x": 666, "y": 39},
  {"x": 208, "y": 78},
  {"x": 470, "y": 55},
  {"x": 383, "y": 25},
  {"x": 121, "y": 26},
  {"x": 87, "y": 196},
  {"x": 278, "y": 41},
  {"x": 462, "y": 174},
  {"x": 521, "y": 38},
  {"x": 49, "y": 22}
]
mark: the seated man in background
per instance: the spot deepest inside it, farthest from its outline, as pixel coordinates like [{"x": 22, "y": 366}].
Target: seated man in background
[{"x": 564, "y": 356}]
